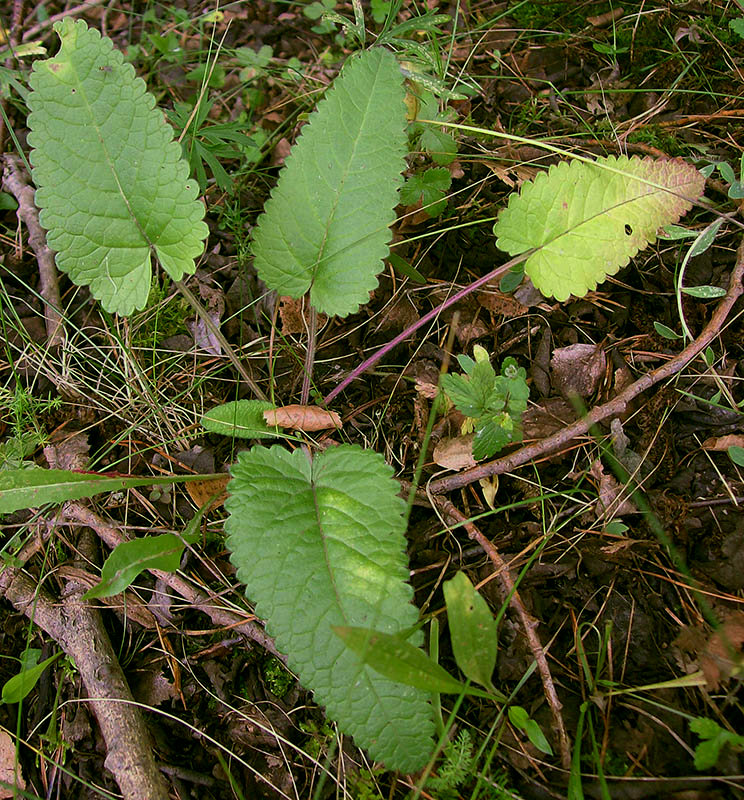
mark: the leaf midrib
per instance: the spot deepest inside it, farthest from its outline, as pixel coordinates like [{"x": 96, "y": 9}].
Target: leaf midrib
[
  {"x": 334, "y": 207},
  {"x": 109, "y": 159}
]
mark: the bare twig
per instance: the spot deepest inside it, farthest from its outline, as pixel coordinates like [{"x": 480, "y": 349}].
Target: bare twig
[
  {"x": 79, "y": 630},
  {"x": 612, "y": 408},
  {"x": 15, "y": 181},
  {"x": 529, "y": 623},
  {"x": 47, "y": 23},
  {"x": 218, "y": 613}
]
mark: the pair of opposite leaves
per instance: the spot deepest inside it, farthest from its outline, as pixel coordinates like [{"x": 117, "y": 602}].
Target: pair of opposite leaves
[{"x": 114, "y": 190}]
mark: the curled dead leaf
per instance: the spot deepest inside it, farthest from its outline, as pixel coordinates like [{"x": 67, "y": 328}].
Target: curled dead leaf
[
  {"x": 723, "y": 443},
  {"x": 201, "y": 491},
  {"x": 302, "y": 418},
  {"x": 578, "y": 369}
]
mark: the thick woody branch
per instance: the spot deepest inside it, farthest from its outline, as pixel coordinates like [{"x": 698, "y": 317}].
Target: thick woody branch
[{"x": 80, "y": 632}]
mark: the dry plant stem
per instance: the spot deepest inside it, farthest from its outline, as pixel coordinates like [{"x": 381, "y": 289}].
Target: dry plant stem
[
  {"x": 428, "y": 317},
  {"x": 529, "y": 623},
  {"x": 307, "y": 377},
  {"x": 73, "y": 12},
  {"x": 14, "y": 180},
  {"x": 79, "y": 630},
  {"x": 613, "y": 408},
  {"x": 220, "y": 615},
  {"x": 217, "y": 333}
]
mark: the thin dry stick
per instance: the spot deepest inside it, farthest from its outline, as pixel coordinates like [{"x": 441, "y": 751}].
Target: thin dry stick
[
  {"x": 47, "y": 23},
  {"x": 14, "y": 180},
  {"x": 612, "y": 408},
  {"x": 529, "y": 623},
  {"x": 80, "y": 632},
  {"x": 219, "y": 336},
  {"x": 218, "y": 613}
]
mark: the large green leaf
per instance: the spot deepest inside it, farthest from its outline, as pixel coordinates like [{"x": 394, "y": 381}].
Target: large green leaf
[
  {"x": 589, "y": 220},
  {"x": 325, "y": 227},
  {"x": 112, "y": 187},
  {"x": 319, "y": 544}
]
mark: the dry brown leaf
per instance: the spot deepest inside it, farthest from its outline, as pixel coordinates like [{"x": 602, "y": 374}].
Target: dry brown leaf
[
  {"x": 201, "y": 491},
  {"x": 578, "y": 369},
  {"x": 302, "y": 418},
  {"x": 551, "y": 416},
  {"x": 723, "y": 442},
  {"x": 455, "y": 453},
  {"x": 10, "y": 773},
  {"x": 67, "y": 450},
  {"x": 295, "y": 316},
  {"x": 612, "y": 500},
  {"x": 504, "y": 304}
]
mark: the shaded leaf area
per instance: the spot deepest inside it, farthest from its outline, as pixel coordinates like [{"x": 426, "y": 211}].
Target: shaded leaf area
[{"x": 609, "y": 601}]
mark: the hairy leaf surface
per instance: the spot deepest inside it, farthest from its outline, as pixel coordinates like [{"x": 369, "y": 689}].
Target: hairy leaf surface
[
  {"x": 326, "y": 226},
  {"x": 589, "y": 220},
  {"x": 111, "y": 184},
  {"x": 320, "y": 544}
]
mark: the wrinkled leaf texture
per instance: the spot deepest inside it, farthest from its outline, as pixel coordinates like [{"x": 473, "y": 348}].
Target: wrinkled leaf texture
[
  {"x": 321, "y": 544},
  {"x": 111, "y": 184},
  {"x": 326, "y": 226},
  {"x": 588, "y": 221}
]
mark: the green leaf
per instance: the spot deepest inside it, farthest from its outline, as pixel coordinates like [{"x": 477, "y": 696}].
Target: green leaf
[
  {"x": 465, "y": 397},
  {"x": 129, "y": 559},
  {"x": 16, "y": 688},
  {"x": 493, "y": 434},
  {"x": 30, "y": 488},
  {"x": 112, "y": 187},
  {"x": 736, "y": 454},
  {"x": 430, "y": 188},
  {"x": 521, "y": 719},
  {"x": 714, "y": 738},
  {"x": 588, "y": 220},
  {"x": 7, "y": 202},
  {"x": 402, "y": 267},
  {"x": 704, "y": 292},
  {"x": 319, "y": 544},
  {"x": 473, "y": 630},
  {"x": 399, "y": 660},
  {"x": 439, "y": 144},
  {"x": 326, "y": 226},
  {"x": 673, "y": 232},
  {"x": 705, "y": 239},
  {"x": 241, "y": 418},
  {"x": 665, "y": 331},
  {"x": 512, "y": 279},
  {"x": 737, "y": 26}
]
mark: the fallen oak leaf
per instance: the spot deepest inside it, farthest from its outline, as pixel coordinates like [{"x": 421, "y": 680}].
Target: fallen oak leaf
[{"x": 302, "y": 418}]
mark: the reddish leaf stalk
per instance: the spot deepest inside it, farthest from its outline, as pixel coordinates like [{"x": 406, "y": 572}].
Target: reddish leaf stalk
[{"x": 428, "y": 317}]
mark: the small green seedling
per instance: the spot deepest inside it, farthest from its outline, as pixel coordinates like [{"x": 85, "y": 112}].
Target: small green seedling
[
  {"x": 714, "y": 739},
  {"x": 493, "y": 404},
  {"x": 16, "y": 688}
]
